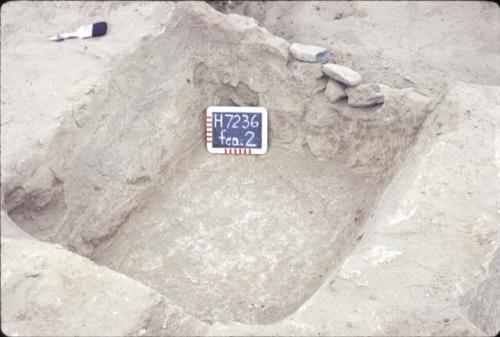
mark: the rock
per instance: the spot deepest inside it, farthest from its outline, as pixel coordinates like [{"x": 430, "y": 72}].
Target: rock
[
  {"x": 334, "y": 91},
  {"x": 56, "y": 292},
  {"x": 324, "y": 57},
  {"x": 481, "y": 302},
  {"x": 365, "y": 95},
  {"x": 342, "y": 74},
  {"x": 309, "y": 53}
]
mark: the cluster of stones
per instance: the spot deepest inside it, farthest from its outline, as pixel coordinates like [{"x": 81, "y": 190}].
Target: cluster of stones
[{"x": 343, "y": 82}]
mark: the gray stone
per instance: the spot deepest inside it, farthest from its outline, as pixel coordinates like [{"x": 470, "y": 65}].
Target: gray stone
[
  {"x": 342, "y": 74},
  {"x": 365, "y": 95},
  {"x": 309, "y": 53},
  {"x": 324, "y": 56},
  {"x": 481, "y": 302},
  {"x": 334, "y": 91}
]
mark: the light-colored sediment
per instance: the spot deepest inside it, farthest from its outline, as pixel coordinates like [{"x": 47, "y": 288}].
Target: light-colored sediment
[{"x": 379, "y": 220}]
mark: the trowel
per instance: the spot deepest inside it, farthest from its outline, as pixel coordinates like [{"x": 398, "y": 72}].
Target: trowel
[{"x": 93, "y": 30}]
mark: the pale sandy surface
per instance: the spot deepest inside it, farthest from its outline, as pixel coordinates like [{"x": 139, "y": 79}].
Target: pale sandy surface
[
  {"x": 39, "y": 77},
  {"x": 400, "y": 41},
  {"x": 103, "y": 136}
]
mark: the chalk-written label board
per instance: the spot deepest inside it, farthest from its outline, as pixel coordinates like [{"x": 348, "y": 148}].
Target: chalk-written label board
[{"x": 236, "y": 130}]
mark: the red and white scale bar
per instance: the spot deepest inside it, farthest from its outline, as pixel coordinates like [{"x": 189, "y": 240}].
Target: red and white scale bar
[
  {"x": 229, "y": 150},
  {"x": 209, "y": 129}
]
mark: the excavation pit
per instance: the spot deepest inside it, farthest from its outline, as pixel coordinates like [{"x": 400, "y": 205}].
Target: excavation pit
[
  {"x": 230, "y": 238},
  {"x": 246, "y": 239},
  {"x": 126, "y": 179}
]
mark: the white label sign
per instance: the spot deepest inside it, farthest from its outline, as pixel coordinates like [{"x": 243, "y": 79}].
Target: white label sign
[{"x": 236, "y": 130}]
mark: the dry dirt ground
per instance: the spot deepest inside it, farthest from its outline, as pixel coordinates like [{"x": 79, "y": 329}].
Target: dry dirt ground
[{"x": 358, "y": 221}]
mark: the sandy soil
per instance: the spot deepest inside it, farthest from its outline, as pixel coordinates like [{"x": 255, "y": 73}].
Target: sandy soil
[
  {"x": 232, "y": 253},
  {"x": 404, "y": 43},
  {"x": 41, "y": 79},
  {"x": 354, "y": 229}
]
